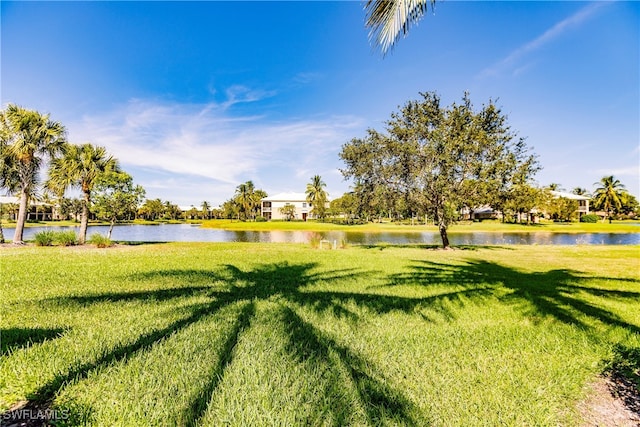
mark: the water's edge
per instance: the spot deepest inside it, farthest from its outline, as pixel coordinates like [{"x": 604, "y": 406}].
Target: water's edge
[{"x": 194, "y": 233}]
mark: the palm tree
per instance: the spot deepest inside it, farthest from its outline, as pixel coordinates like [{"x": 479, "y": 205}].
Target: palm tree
[
  {"x": 28, "y": 139},
  {"x": 258, "y": 195},
  {"x": 206, "y": 208},
  {"x": 608, "y": 195},
  {"x": 80, "y": 166},
  {"x": 317, "y": 196},
  {"x": 580, "y": 191},
  {"x": 387, "y": 19},
  {"x": 244, "y": 197},
  {"x": 9, "y": 179}
]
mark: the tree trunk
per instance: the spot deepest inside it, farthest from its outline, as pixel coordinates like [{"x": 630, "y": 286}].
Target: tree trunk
[
  {"x": 22, "y": 216},
  {"x": 443, "y": 235},
  {"x": 84, "y": 221},
  {"x": 113, "y": 221}
]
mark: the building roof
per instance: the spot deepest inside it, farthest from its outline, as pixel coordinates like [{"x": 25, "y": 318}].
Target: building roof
[
  {"x": 570, "y": 196},
  {"x": 9, "y": 199},
  {"x": 6, "y": 200},
  {"x": 287, "y": 197}
]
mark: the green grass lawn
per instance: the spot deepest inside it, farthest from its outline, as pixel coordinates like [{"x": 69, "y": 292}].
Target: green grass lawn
[{"x": 282, "y": 334}]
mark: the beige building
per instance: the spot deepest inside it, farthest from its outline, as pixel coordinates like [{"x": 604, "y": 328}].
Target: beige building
[{"x": 272, "y": 205}]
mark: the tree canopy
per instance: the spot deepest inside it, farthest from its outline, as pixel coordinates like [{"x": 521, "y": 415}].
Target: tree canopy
[
  {"x": 439, "y": 159},
  {"x": 608, "y": 195},
  {"x": 27, "y": 139},
  {"x": 116, "y": 197},
  {"x": 317, "y": 196},
  {"x": 80, "y": 166}
]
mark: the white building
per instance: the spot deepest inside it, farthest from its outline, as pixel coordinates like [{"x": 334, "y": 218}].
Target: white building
[
  {"x": 270, "y": 208},
  {"x": 583, "y": 201}
]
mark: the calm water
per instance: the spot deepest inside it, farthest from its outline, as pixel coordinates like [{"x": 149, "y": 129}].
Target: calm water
[{"x": 193, "y": 233}]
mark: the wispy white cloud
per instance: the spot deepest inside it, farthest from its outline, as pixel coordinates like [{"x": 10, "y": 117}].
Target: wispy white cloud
[
  {"x": 512, "y": 61},
  {"x": 238, "y": 94},
  {"x": 191, "y": 143},
  {"x": 633, "y": 171}
]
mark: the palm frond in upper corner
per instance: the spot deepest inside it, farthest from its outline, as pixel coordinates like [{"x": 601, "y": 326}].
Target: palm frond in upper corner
[{"x": 388, "y": 19}]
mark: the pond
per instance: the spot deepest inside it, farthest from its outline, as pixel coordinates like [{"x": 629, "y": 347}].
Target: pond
[{"x": 194, "y": 233}]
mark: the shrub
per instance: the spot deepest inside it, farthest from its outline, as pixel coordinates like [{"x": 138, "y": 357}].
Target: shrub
[
  {"x": 100, "y": 241},
  {"x": 66, "y": 238},
  {"x": 314, "y": 240},
  {"x": 591, "y": 218},
  {"x": 45, "y": 237},
  {"x": 261, "y": 219}
]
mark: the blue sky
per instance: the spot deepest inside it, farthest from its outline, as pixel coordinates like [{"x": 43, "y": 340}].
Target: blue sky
[{"x": 196, "y": 97}]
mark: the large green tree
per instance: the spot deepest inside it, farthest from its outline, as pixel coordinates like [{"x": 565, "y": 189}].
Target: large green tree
[
  {"x": 523, "y": 198},
  {"x": 116, "y": 197},
  {"x": 608, "y": 195},
  {"x": 317, "y": 196},
  {"x": 80, "y": 166},
  {"x": 29, "y": 138},
  {"x": 443, "y": 158}
]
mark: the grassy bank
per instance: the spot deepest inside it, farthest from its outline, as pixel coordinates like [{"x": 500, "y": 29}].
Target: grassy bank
[
  {"x": 464, "y": 227},
  {"x": 279, "y": 334}
]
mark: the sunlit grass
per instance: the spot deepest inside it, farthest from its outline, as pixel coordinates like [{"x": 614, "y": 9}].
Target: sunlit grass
[{"x": 282, "y": 334}]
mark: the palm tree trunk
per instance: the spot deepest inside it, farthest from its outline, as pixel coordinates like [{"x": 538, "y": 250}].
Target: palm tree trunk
[
  {"x": 84, "y": 220},
  {"x": 113, "y": 221},
  {"x": 22, "y": 215},
  {"x": 1, "y": 230}
]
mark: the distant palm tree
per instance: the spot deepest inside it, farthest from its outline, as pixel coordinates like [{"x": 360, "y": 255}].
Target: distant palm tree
[
  {"x": 245, "y": 198},
  {"x": 28, "y": 139},
  {"x": 580, "y": 191},
  {"x": 608, "y": 195},
  {"x": 317, "y": 196},
  {"x": 80, "y": 166},
  {"x": 206, "y": 208},
  {"x": 258, "y": 195},
  {"x": 387, "y": 19}
]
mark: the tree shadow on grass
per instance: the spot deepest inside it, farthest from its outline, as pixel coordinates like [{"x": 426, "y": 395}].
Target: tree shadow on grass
[
  {"x": 227, "y": 285},
  {"x": 380, "y": 401},
  {"x": 199, "y": 405},
  {"x": 14, "y": 338},
  {"x": 554, "y": 293}
]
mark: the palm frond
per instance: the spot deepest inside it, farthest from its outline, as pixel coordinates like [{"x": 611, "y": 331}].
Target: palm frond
[{"x": 388, "y": 19}]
